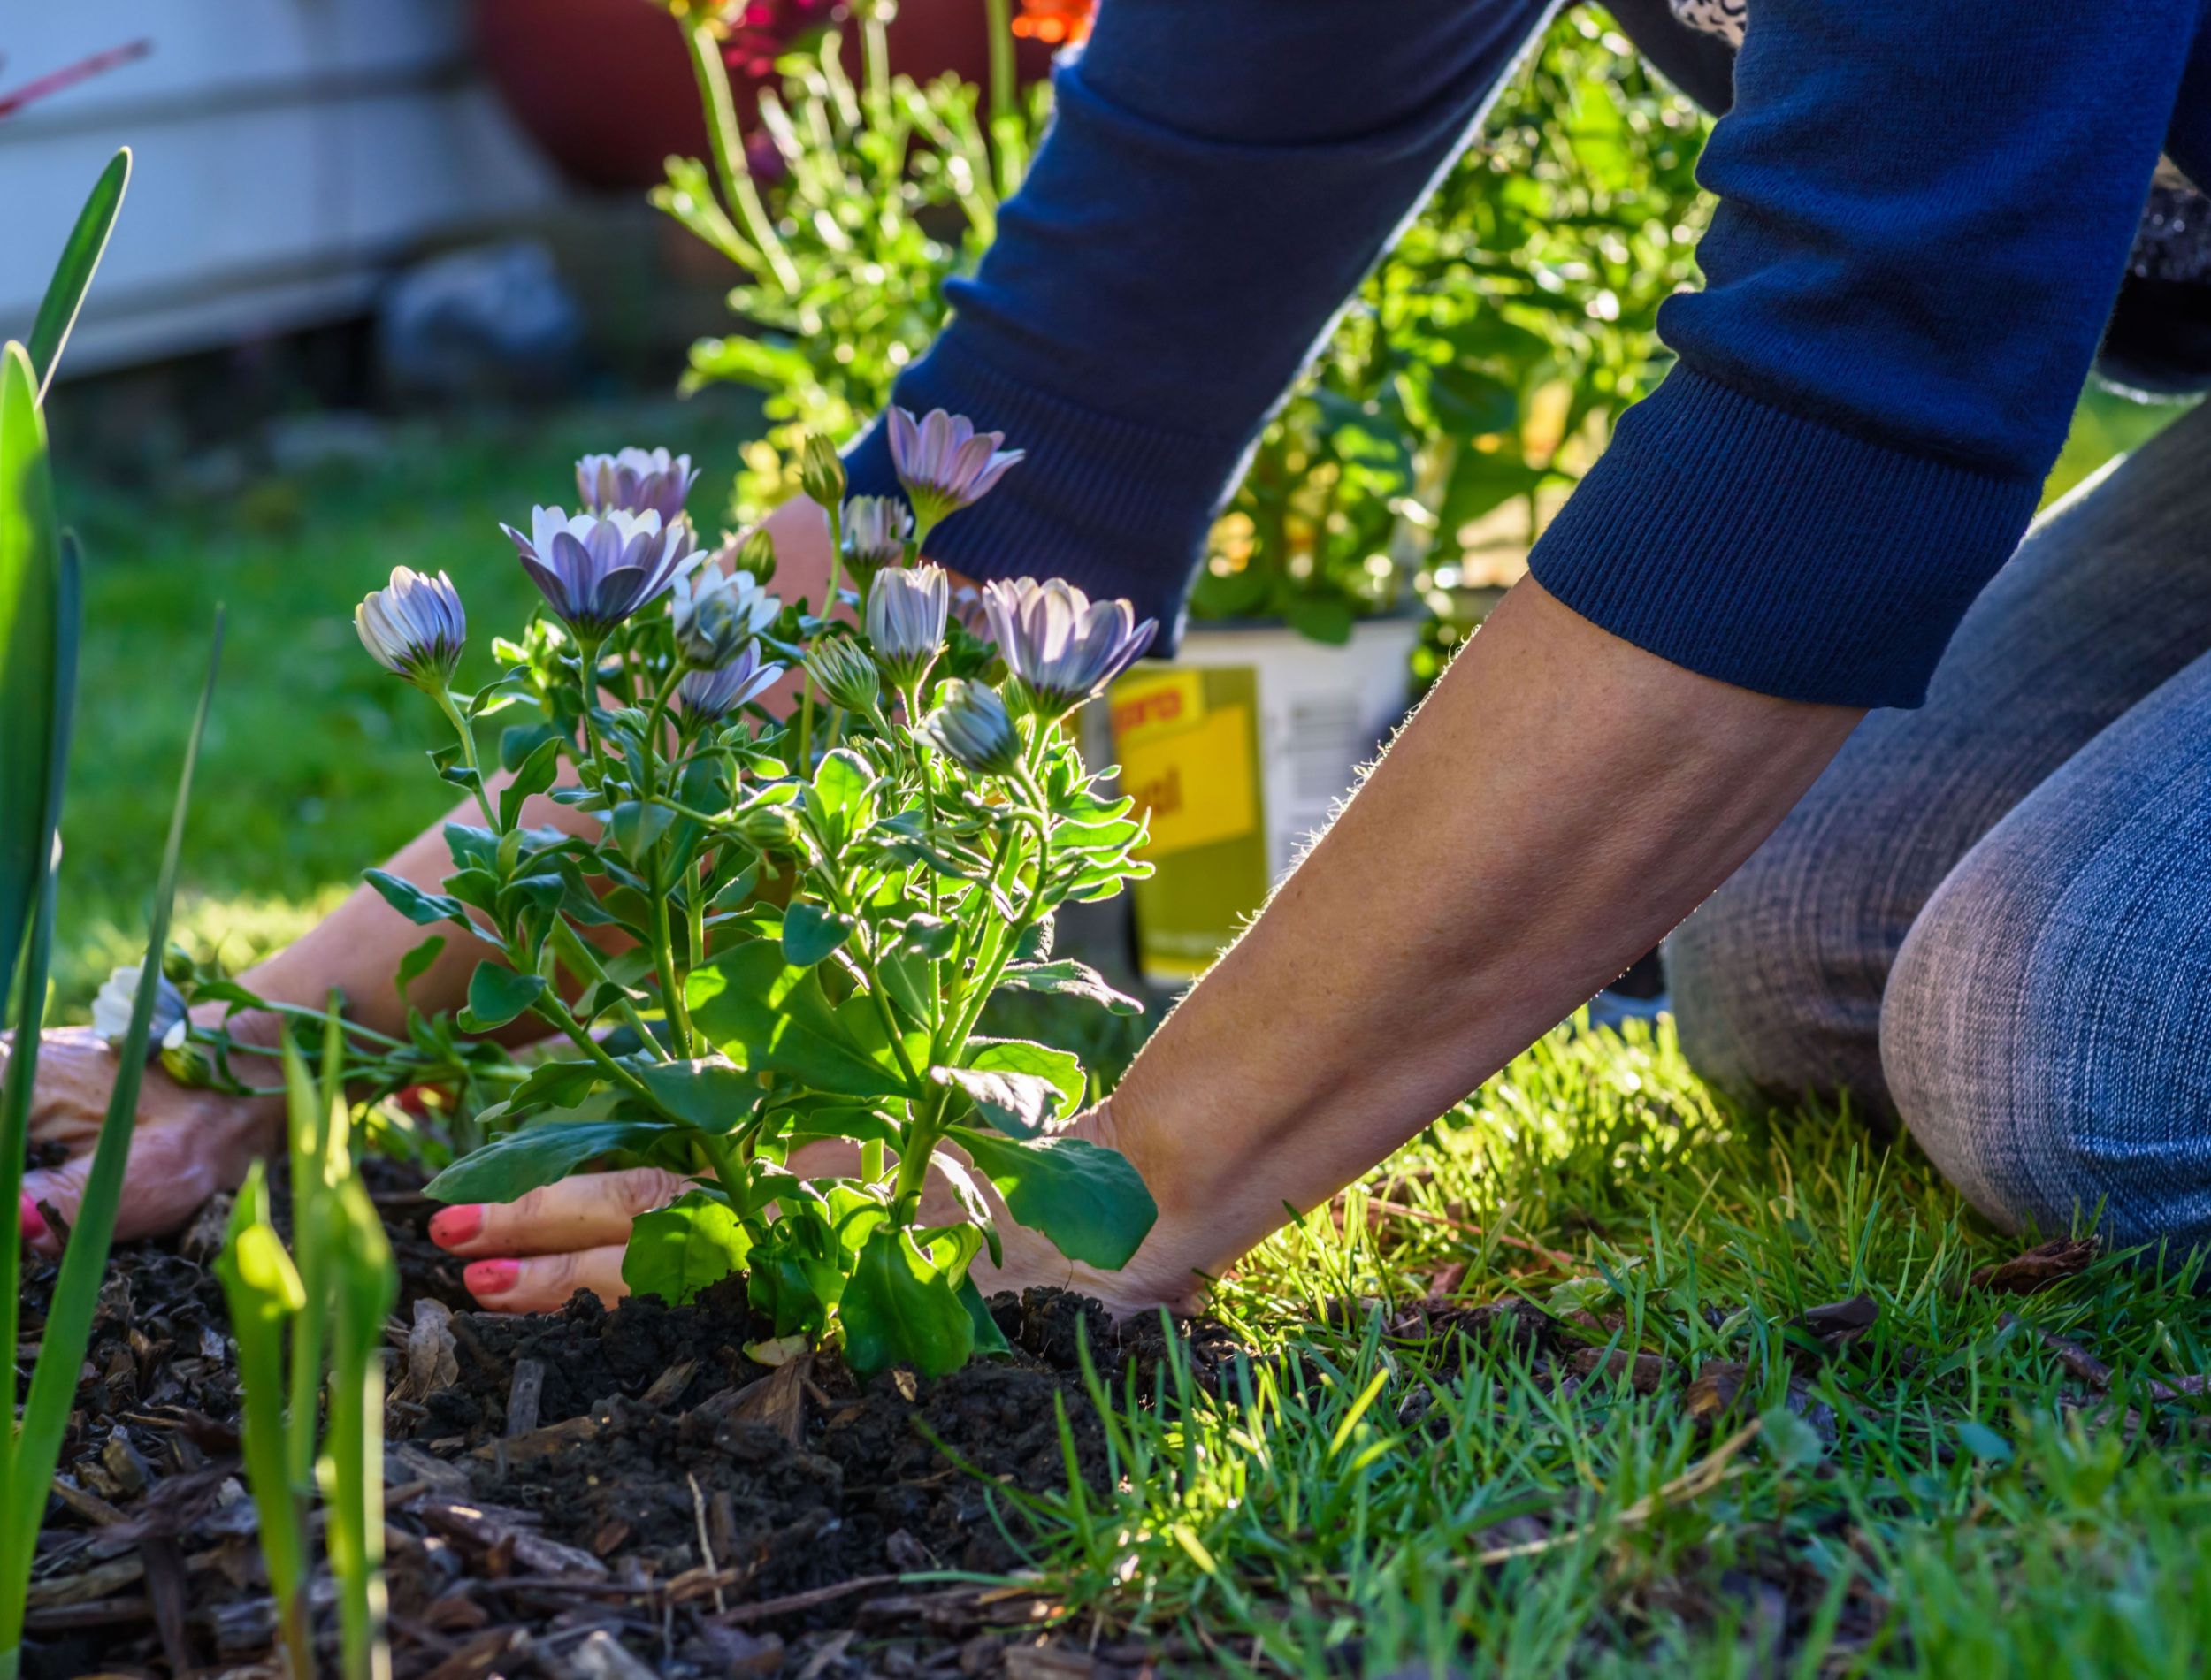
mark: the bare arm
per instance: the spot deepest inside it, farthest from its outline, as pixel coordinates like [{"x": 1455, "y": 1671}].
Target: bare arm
[{"x": 1560, "y": 801}]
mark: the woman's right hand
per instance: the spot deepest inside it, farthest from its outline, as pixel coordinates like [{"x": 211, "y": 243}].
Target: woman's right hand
[{"x": 189, "y": 1143}]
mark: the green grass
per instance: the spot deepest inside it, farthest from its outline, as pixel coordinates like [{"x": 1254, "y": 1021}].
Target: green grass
[
  {"x": 314, "y": 765},
  {"x": 1941, "y": 1500}
]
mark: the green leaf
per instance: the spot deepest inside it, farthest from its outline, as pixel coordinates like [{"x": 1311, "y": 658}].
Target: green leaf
[
  {"x": 30, "y": 611},
  {"x": 419, "y": 907},
  {"x": 810, "y": 933},
  {"x": 902, "y": 1306},
  {"x": 989, "y": 1340},
  {"x": 762, "y": 1013},
  {"x": 636, "y": 829},
  {"x": 1062, "y": 1068},
  {"x": 518, "y": 741},
  {"x": 713, "y": 1094},
  {"x": 417, "y": 963},
  {"x": 68, "y": 1328},
  {"x": 1319, "y": 618},
  {"x": 1019, "y": 1104},
  {"x": 1984, "y": 1443},
  {"x": 521, "y": 1161},
  {"x": 556, "y": 1085},
  {"x": 838, "y": 803},
  {"x": 497, "y": 995},
  {"x": 1067, "y": 978},
  {"x": 72, "y": 274},
  {"x": 677, "y": 1250},
  {"x": 1091, "y": 1202},
  {"x": 538, "y": 773}
]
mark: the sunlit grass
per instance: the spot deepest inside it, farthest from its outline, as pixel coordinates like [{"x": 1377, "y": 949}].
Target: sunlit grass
[{"x": 1937, "y": 1498}]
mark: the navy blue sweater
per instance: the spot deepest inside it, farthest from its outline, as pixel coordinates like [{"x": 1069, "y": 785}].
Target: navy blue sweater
[{"x": 1925, "y": 211}]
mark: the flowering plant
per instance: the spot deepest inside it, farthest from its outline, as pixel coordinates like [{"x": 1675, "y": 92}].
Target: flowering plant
[{"x": 818, "y": 906}]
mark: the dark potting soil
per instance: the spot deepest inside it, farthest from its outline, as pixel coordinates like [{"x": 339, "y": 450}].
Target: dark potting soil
[{"x": 584, "y": 1494}]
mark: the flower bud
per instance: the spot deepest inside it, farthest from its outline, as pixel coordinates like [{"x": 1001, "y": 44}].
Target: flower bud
[
  {"x": 716, "y": 612},
  {"x": 972, "y": 726},
  {"x": 906, "y": 619},
  {"x": 821, "y": 474},
  {"x": 414, "y": 627},
  {"x": 189, "y": 1064},
  {"x": 756, "y": 555},
  {"x": 769, "y": 828},
  {"x": 177, "y": 965},
  {"x": 846, "y": 674}
]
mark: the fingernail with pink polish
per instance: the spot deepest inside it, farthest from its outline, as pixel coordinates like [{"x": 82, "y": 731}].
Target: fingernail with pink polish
[
  {"x": 450, "y": 1226},
  {"x": 491, "y": 1276},
  {"x": 33, "y": 1222}
]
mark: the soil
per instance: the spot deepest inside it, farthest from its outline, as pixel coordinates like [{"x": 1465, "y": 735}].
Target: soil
[{"x": 584, "y": 1495}]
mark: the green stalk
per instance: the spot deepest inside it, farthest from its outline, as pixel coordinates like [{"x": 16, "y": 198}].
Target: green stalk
[
  {"x": 584, "y": 963},
  {"x": 444, "y": 698},
  {"x": 829, "y": 607},
  {"x": 308, "y": 1133},
  {"x": 728, "y": 147},
  {"x": 264, "y": 1292},
  {"x": 367, "y": 1285},
  {"x": 36, "y": 1449}
]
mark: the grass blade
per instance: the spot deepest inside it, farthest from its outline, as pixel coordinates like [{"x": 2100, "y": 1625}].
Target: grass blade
[
  {"x": 84, "y": 1262},
  {"x": 367, "y": 1285},
  {"x": 73, "y": 275}
]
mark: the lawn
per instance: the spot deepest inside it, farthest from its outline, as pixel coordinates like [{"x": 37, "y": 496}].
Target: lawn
[{"x": 1933, "y": 1477}]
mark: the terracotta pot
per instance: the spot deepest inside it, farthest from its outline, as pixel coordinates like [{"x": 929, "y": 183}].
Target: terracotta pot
[{"x": 604, "y": 86}]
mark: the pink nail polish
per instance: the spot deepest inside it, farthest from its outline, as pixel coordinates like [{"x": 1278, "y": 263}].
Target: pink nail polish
[
  {"x": 33, "y": 1222},
  {"x": 450, "y": 1226},
  {"x": 491, "y": 1276}
]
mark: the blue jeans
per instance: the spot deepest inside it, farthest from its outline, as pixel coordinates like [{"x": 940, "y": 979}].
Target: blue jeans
[{"x": 1993, "y": 915}]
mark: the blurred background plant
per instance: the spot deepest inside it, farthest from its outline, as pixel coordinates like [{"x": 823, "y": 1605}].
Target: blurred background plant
[
  {"x": 1479, "y": 371},
  {"x": 857, "y": 198}
]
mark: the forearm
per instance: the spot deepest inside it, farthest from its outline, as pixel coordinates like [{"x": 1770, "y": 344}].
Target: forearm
[{"x": 1560, "y": 801}]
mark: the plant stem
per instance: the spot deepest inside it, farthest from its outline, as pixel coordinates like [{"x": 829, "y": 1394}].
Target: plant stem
[
  {"x": 834, "y": 517},
  {"x": 554, "y": 1009},
  {"x": 728, "y": 147},
  {"x": 729, "y": 1169},
  {"x": 664, "y": 961},
  {"x": 1000, "y": 13},
  {"x": 444, "y": 698}
]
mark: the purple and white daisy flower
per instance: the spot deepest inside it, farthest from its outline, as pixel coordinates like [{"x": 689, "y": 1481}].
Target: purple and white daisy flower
[
  {"x": 717, "y": 612},
  {"x": 710, "y": 696},
  {"x": 1062, "y": 646},
  {"x": 876, "y": 530},
  {"x": 111, "y": 1012},
  {"x": 595, "y": 569},
  {"x": 635, "y": 481},
  {"x": 945, "y": 464},
  {"x": 414, "y": 627}
]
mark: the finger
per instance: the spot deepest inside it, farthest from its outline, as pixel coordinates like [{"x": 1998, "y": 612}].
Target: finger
[
  {"x": 167, "y": 1179},
  {"x": 587, "y": 1211},
  {"x": 543, "y": 1283}
]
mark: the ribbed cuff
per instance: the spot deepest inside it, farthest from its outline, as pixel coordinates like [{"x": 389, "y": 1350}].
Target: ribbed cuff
[
  {"x": 1775, "y": 553},
  {"x": 1113, "y": 508}
]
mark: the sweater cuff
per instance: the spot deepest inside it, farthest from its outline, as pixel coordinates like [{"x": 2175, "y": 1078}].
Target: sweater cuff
[
  {"x": 1775, "y": 553},
  {"x": 1115, "y": 509}
]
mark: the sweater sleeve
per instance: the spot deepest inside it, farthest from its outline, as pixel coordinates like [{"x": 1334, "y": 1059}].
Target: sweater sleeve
[
  {"x": 1220, "y": 176},
  {"x": 1926, "y": 208}
]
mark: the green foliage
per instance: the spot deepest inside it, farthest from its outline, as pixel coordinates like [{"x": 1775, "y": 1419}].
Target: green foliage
[
  {"x": 887, "y": 189},
  {"x": 803, "y": 1055},
  {"x": 327, "y": 1302},
  {"x": 72, "y": 274},
  {"x": 1484, "y": 361}
]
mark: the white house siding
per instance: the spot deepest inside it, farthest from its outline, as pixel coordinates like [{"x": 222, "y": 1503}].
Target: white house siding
[{"x": 288, "y": 153}]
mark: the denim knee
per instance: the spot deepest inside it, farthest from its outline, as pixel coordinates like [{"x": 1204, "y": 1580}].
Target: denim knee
[
  {"x": 1775, "y": 986},
  {"x": 2046, "y": 1035}
]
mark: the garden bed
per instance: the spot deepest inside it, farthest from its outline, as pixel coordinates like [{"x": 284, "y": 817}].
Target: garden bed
[{"x": 587, "y": 1494}]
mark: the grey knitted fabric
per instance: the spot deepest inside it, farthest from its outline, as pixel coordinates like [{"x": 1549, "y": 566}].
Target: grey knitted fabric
[{"x": 1993, "y": 914}]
